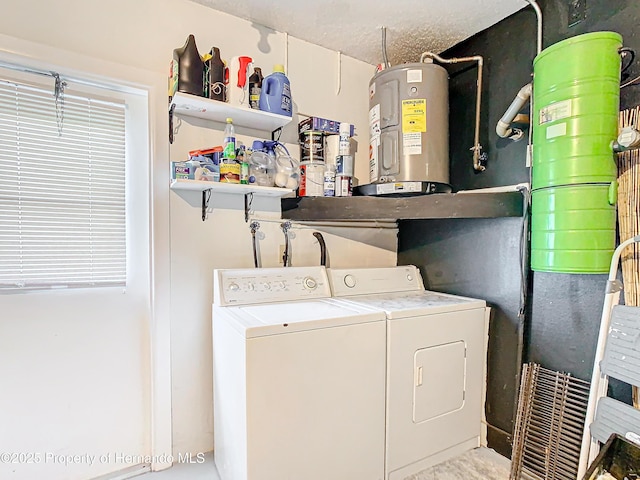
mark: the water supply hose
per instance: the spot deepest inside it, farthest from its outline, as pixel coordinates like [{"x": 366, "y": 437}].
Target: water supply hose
[
  {"x": 323, "y": 248},
  {"x": 254, "y": 226},
  {"x": 286, "y": 260},
  {"x": 478, "y": 156}
]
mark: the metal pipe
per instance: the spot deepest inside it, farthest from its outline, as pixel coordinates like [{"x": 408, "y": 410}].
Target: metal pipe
[
  {"x": 478, "y": 156},
  {"x": 385, "y": 59},
  {"x": 536, "y": 7},
  {"x": 503, "y": 128}
]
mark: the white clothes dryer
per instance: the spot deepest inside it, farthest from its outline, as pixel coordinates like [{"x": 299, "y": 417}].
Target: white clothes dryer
[
  {"x": 436, "y": 365},
  {"x": 299, "y": 379}
]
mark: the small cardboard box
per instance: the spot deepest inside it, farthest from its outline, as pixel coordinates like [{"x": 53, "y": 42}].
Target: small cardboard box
[
  {"x": 317, "y": 124},
  {"x": 183, "y": 170}
]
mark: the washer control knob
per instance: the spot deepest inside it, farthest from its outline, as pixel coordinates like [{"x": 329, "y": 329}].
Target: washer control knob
[
  {"x": 266, "y": 285},
  {"x": 310, "y": 283},
  {"x": 234, "y": 287},
  {"x": 350, "y": 281},
  {"x": 250, "y": 286},
  {"x": 410, "y": 277},
  {"x": 282, "y": 285}
]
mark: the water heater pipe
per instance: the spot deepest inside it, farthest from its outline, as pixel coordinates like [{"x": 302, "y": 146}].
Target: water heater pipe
[
  {"x": 503, "y": 128},
  {"x": 385, "y": 58},
  {"x": 478, "y": 156}
]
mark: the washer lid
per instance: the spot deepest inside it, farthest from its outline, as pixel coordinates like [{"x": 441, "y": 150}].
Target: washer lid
[
  {"x": 287, "y": 317},
  {"x": 412, "y": 304}
]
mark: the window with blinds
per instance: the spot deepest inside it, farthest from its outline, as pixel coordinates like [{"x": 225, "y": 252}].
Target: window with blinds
[{"x": 62, "y": 189}]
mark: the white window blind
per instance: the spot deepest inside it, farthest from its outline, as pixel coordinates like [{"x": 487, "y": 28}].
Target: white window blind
[{"x": 62, "y": 197}]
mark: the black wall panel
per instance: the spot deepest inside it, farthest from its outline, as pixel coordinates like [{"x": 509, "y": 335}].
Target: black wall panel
[{"x": 479, "y": 257}]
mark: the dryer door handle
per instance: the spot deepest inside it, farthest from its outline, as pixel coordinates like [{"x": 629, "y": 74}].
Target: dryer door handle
[{"x": 418, "y": 376}]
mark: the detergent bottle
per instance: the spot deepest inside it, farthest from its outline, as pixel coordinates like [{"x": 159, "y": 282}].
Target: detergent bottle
[{"x": 275, "y": 96}]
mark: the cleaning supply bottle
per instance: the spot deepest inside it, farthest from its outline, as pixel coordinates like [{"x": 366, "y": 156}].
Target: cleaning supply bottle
[
  {"x": 215, "y": 76},
  {"x": 229, "y": 152},
  {"x": 241, "y": 158},
  {"x": 255, "y": 86},
  {"x": 238, "y": 88},
  {"x": 275, "y": 96},
  {"x": 187, "y": 70}
]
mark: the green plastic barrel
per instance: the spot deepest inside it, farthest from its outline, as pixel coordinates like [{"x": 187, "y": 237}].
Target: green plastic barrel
[
  {"x": 576, "y": 97},
  {"x": 573, "y": 228}
]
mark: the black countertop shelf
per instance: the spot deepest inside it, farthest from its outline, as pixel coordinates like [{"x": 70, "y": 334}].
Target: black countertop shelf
[{"x": 433, "y": 206}]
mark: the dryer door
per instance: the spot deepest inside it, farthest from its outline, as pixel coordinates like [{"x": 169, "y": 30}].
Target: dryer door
[
  {"x": 444, "y": 366},
  {"x": 435, "y": 374}
]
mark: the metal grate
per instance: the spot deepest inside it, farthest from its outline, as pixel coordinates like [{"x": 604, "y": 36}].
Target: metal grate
[{"x": 549, "y": 424}]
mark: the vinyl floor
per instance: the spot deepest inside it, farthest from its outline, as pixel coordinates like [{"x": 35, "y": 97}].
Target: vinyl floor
[{"x": 477, "y": 464}]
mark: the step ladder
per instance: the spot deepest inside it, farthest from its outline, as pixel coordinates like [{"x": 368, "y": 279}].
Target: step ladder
[{"x": 617, "y": 356}]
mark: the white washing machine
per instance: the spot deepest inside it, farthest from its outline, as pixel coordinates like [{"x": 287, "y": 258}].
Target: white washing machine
[
  {"x": 436, "y": 365},
  {"x": 299, "y": 379}
]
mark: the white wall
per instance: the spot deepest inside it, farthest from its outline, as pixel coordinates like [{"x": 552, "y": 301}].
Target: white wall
[
  {"x": 142, "y": 34},
  {"x": 77, "y": 362},
  {"x": 224, "y": 240}
]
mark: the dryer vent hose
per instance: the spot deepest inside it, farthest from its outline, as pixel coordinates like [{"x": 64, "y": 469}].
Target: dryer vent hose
[{"x": 323, "y": 248}]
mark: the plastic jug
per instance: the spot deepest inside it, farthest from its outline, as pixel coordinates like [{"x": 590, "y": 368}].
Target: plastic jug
[
  {"x": 187, "y": 69},
  {"x": 214, "y": 77},
  {"x": 275, "y": 96}
]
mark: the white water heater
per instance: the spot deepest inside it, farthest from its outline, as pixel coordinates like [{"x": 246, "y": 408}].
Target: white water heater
[{"x": 409, "y": 127}]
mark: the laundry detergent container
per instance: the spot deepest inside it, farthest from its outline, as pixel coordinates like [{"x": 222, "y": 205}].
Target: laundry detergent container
[
  {"x": 573, "y": 228},
  {"x": 576, "y": 97}
]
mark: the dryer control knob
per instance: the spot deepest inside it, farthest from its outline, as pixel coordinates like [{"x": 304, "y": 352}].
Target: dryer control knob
[
  {"x": 234, "y": 287},
  {"x": 350, "y": 281},
  {"x": 410, "y": 277},
  {"x": 310, "y": 283}
]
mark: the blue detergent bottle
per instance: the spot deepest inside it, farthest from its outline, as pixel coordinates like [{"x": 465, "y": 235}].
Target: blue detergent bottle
[{"x": 275, "y": 96}]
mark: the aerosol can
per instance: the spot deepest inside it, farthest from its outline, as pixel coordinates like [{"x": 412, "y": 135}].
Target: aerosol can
[{"x": 238, "y": 88}]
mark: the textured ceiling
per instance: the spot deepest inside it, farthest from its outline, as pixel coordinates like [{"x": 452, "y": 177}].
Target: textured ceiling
[{"x": 353, "y": 27}]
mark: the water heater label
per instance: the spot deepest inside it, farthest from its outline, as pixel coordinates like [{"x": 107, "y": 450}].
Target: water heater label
[
  {"x": 555, "y": 111},
  {"x": 411, "y": 144},
  {"x": 374, "y": 141},
  {"x": 414, "y": 76},
  {"x": 414, "y": 122},
  {"x": 400, "y": 187},
  {"x": 414, "y": 115}
]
